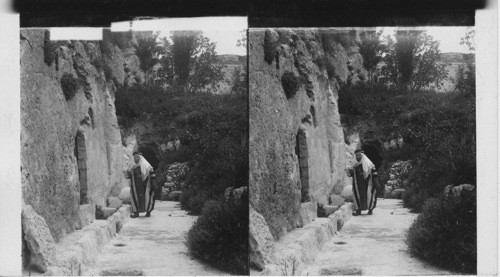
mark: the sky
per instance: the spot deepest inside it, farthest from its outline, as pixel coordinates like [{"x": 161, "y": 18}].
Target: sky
[
  {"x": 225, "y": 31},
  {"x": 448, "y": 37}
]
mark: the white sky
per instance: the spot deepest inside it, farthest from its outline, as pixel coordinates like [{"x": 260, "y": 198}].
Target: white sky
[
  {"x": 448, "y": 37},
  {"x": 225, "y": 31}
]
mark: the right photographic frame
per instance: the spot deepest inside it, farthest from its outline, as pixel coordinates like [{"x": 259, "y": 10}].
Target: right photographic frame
[{"x": 362, "y": 151}]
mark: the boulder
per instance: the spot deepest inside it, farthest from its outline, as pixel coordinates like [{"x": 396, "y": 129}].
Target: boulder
[
  {"x": 114, "y": 202},
  {"x": 397, "y": 193},
  {"x": 177, "y": 144},
  {"x": 107, "y": 212},
  {"x": 236, "y": 195},
  {"x": 329, "y": 209},
  {"x": 347, "y": 193},
  {"x": 87, "y": 214},
  {"x": 125, "y": 196},
  {"x": 336, "y": 200},
  {"x": 170, "y": 146},
  {"x": 164, "y": 194},
  {"x": 38, "y": 239},
  {"x": 174, "y": 195},
  {"x": 260, "y": 240},
  {"x": 456, "y": 191}
]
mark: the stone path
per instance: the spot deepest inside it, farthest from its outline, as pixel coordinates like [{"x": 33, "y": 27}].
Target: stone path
[
  {"x": 372, "y": 245},
  {"x": 152, "y": 246}
]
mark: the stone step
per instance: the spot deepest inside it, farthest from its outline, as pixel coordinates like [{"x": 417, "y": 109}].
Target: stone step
[
  {"x": 300, "y": 246},
  {"x": 81, "y": 247}
]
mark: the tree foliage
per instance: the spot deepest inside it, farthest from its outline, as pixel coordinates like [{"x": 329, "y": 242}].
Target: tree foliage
[
  {"x": 465, "y": 81},
  {"x": 411, "y": 61},
  {"x": 189, "y": 62},
  {"x": 182, "y": 50},
  {"x": 148, "y": 50},
  {"x": 371, "y": 49}
]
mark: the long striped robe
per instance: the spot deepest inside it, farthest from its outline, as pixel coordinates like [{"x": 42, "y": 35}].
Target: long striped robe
[
  {"x": 142, "y": 191},
  {"x": 364, "y": 191}
]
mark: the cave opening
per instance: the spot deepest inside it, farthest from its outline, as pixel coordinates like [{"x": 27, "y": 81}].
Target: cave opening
[
  {"x": 81, "y": 159},
  {"x": 302, "y": 154}
]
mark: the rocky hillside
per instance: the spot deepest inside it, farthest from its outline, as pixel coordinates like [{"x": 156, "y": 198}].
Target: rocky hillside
[
  {"x": 297, "y": 149},
  {"x": 71, "y": 148}
]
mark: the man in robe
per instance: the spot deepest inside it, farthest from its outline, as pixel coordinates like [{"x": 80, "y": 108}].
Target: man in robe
[
  {"x": 141, "y": 188},
  {"x": 363, "y": 187}
]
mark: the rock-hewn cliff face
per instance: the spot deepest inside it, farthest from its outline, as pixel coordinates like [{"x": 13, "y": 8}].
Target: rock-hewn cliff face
[
  {"x": 298, "y": 153},
  {"x": 71, "y": 151}
]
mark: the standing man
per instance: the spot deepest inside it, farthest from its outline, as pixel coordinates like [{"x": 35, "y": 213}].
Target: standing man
[
  {"x": 363, "y": 188},
  {"x": 141, "y": 188}
]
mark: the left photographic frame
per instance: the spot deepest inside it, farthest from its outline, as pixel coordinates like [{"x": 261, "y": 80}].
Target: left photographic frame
[{"x": 134, "y": 150}]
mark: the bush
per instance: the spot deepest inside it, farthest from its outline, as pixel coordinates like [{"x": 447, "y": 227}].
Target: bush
[
  {"x": 220, "y": 236},
  {"x": 290, "y": 83},
  {"x": 50, "y": 49},
  {"x": 270, "y": 47},
  {"x": 69, "y": 85},
  {"x": 445, "y": 233}
]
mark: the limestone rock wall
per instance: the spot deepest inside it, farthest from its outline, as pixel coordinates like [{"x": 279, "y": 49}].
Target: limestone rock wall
[
  {"x": 297, "y": 149},
  {"x": 67, "y": 144}
]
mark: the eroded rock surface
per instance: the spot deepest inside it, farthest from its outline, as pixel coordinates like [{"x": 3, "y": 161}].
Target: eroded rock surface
[
  {"x": 72, "y": 155},
  {"x": 297, "y": 148},
  {"x": 261, "y": 246},
  {"x": 38, "y": 239}
]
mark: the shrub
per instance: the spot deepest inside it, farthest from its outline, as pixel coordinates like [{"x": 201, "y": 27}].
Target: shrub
[
  {"x": 50, "y": 49},
  {"x": 220, "y": 236},
  {"x": 69, "y": 85},
  {"x": 270, "y": 45},
  {"x": 290, "y": 83},
  {"x": 445, "y": 233}
]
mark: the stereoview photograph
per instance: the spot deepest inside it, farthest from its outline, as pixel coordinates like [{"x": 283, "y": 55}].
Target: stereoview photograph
[
  {"x": 134, "y": 153},
  {"x": 362, "y": 151}
]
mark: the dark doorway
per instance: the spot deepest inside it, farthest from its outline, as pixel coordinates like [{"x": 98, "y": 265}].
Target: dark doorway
[
  {"x": 302, "y": 154},
  {"x": 81, "y": 159}
]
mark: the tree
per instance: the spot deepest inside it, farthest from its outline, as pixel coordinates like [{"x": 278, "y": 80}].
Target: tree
[
  {"x": 242, "y": 42},
  {"x": 240, "y": 76},
  {"x": 148, "y": 50},
  {"x": 182, "y": 51},
  {"x": 465, "y": 81},
  {"x": 204, "y": 70},
  {"x": 371, "y": 49},
  {"x": 411, "y": 62},
  {"x": 189, "y": 62},
  {"x": 426, "y": 69},
  {"x": 406, "y": 43},
  {"x": 165, "y": 73}
]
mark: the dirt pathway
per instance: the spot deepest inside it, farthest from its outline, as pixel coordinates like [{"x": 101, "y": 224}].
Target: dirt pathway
[
  {"x": 152, "y": 246},
  {"x": 372, "y": 245}
]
